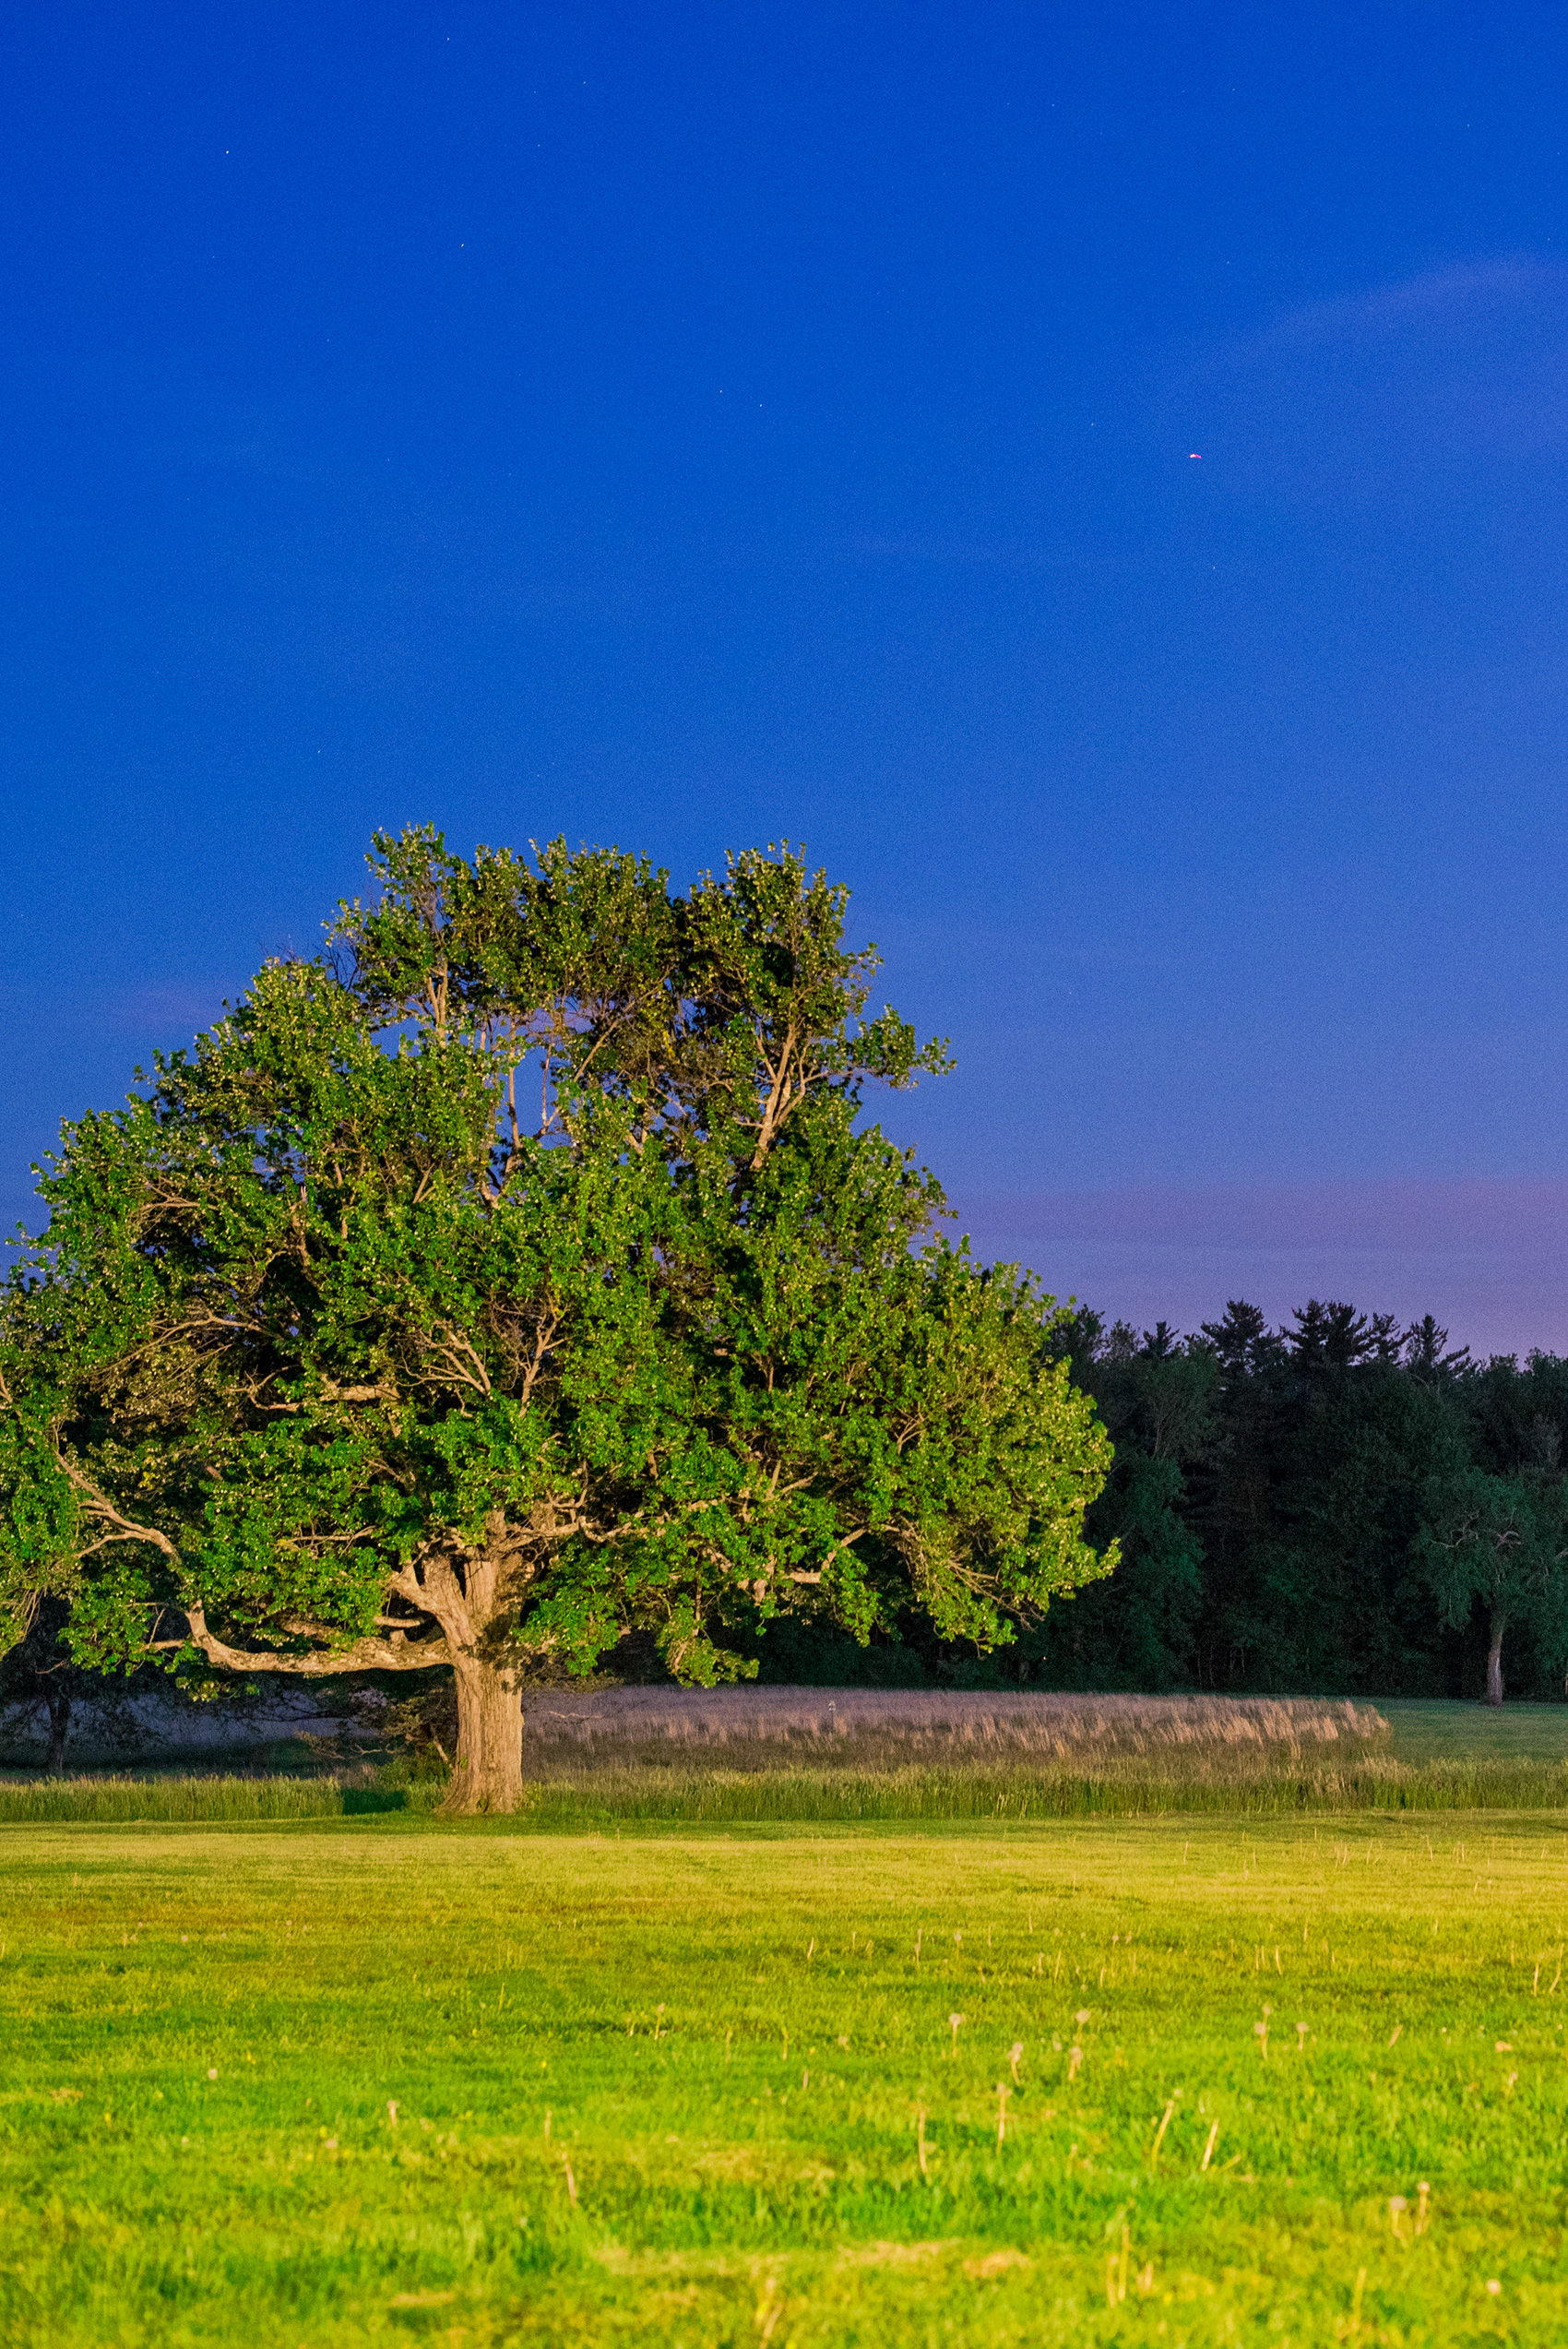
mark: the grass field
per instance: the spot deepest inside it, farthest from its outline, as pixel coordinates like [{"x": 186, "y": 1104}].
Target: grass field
[
  {"x": 382, "y": 2080},
  {"x": 1423, "y": 1731}
]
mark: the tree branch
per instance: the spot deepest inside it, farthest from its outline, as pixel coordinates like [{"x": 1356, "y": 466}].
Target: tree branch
[
  {"x": 364, "y": 1655},
  {"x": 99, "y": 1505}
]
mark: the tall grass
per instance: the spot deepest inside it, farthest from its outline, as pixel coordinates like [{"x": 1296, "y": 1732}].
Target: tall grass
[
  {"x": 698, "y": 1796},
  {"x": 729, "y": 1757},
  {"x": 638, "y": 1794},
  {"x": 888, "y": 1729},
  {"x": 201, "y": 1801}
]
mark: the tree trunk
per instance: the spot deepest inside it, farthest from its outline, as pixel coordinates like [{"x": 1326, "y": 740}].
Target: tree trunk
[
  {"x": 1494, "y": 1663},
  {"x": 59, "y": 1705},
  {"x": 489, "y": 1773}
]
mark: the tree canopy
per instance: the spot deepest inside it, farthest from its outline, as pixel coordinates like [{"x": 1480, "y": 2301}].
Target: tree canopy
[{"x": 517, "y": 1272}]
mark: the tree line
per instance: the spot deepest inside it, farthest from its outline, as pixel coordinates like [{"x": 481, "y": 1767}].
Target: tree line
[{"x": 1336, "y": 1505}]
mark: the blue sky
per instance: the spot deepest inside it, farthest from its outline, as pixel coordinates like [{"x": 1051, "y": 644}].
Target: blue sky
[{"x": 697, "y": 427}]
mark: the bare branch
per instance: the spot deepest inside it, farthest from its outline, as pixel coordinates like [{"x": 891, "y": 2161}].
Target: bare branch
[
  {"x": 780, "y": 1098},
  {"x": 396, "y": 1654},
  {"x": 101, "y": 1506}
]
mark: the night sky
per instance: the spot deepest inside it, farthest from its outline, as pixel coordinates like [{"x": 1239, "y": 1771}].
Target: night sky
[{"x": 1099, "y": 477}]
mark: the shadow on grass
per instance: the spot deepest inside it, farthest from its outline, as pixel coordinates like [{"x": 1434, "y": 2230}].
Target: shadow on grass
[{"x": 359, "y": 1801}]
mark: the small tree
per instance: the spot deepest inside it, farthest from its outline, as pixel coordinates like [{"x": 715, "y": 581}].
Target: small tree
[
  {"x": 39, "y": 1676},
  {"x": 1501, "y": 1540},
  {"x": 333, "y": 1357}
]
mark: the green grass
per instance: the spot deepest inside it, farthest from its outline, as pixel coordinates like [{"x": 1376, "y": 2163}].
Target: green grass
[
  {"x": 732, "y": 2040},
  {"x": 1427, "y": 1730}
]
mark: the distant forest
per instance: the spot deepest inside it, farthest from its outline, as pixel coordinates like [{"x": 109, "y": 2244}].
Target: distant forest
[{"x": 1338, "y": 1506}]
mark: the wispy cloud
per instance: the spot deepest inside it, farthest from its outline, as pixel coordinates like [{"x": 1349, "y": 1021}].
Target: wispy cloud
[
  {"x": 161, "y": 1014},
  {"x": 1433, "y": 301},
  {"x": 1414, "y": 391}
]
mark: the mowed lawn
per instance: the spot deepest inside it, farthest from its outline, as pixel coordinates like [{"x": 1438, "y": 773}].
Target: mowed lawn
[
  {"x": 1434, "y": 1730},
  {"x": 374, "y": 2080}
]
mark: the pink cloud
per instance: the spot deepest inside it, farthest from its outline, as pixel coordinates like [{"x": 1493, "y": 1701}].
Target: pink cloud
[{"x": 1488, "y": 1256}]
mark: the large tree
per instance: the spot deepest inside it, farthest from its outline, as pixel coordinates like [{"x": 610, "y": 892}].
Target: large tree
[{"x": 518, "y": 1272}]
